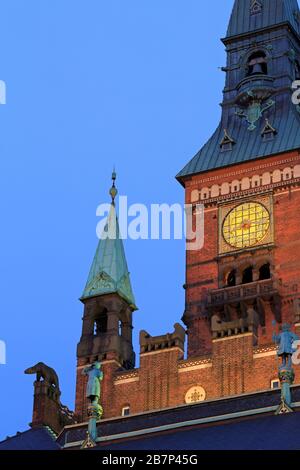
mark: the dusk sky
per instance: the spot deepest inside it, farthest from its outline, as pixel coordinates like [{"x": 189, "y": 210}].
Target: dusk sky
[{"x": 93, "y": 84}]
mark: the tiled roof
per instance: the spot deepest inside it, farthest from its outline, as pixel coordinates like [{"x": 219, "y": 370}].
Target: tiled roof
[
  {"x": 266, "y": 433},
  {"x": 249, "y": 144},
  {"x": 176, "y": 420},
  {"x": 241, "y": 422},
  {"x": 33, "y": 439}
]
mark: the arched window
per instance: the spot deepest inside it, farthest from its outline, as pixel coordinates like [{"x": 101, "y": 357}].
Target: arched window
[
  {"x": 257, "y": 64},
  {"x": 126, "y": 410},
  {"x": 247, "y": 275},
  {"x": 265, "y": 272},
  {"x": 101, "y": 323},
  {"x": 275, "y": 384},
  {"x": 231, "y": 279}
]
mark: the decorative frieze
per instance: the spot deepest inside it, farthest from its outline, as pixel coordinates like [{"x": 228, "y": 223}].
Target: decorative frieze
[
  {"x": 189, "y": 366},
  {"x": 131, "y": 376},
  {"x": 247, "y": 184}
]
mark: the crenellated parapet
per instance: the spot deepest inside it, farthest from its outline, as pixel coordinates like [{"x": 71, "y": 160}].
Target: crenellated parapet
[{"x": 150, "y": 343}]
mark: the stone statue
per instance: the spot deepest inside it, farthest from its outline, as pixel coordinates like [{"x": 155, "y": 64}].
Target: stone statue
[
  {"x": 286, "y": 374},
  {"x": 285, "y": 340},
  {"x": 93, "y": 392},
  {"x": 95, "y": 375},
  {"x": 44, "y": 372}
]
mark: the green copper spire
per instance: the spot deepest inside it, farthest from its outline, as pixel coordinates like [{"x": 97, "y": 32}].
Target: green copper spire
[{"x": 109, "y": 272}]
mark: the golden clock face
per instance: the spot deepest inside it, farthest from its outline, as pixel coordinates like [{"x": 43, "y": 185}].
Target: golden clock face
[{"x": 246, "y": 225}]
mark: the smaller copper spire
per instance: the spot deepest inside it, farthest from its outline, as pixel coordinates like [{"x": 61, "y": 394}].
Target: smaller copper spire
[{"x": 113, "y": 190}]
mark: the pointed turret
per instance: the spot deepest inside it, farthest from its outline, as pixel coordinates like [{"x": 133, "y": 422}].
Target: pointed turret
[
  {"x": 108, "y": 307},
  {"x": 109, "y": 272}
]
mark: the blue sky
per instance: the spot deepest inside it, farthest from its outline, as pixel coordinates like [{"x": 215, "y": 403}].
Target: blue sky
[{"x": 92, "y": 84}]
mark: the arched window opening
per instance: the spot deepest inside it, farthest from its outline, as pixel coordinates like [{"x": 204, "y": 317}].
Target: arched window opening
[
  {"x": 265, "y": 272},
  {"x": 231, "y": 279},
  {"x": 126, "y": 410},
  {"x": 257, "y": 64},
  {"x": 247, "y": 275},
  {"x": 100, "y": 325},
  {"x": 275, "y": 384}
]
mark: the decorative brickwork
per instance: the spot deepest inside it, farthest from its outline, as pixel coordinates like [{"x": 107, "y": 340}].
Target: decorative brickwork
[{"x": 47, "y": 408}]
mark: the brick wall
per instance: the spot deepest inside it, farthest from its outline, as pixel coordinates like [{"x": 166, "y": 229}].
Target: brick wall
[
  {"x": 238, "y": 364},
  {"x": 235, "y": 367},
  {"x": 203, "y": 266}
]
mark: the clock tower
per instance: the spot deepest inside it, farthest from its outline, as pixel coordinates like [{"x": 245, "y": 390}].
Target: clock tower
[
  {"x": 247, "y": 176},
  {"x": 244, "y": 283}
]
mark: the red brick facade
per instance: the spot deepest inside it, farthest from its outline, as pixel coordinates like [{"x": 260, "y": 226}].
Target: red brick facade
[{"x": 234, "y": 361}]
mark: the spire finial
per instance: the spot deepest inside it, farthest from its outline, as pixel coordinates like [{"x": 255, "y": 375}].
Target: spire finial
[{"x": 113, "y": 190}]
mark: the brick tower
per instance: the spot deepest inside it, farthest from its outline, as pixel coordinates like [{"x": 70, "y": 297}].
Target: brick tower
[
  {"x": 247, "y": 177},
  {"x": 108, "y": 306}
]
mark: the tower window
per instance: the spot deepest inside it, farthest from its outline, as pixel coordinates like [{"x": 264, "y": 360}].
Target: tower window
[
  {"x": 227, "y": 142},
  {"x": 268, "y": 133},
  {"x": 275, "y": 384},
  {"x": 265, "y": 272},
  {"x": 126, "y": 411},
  {"x": 101, "y": 324},
  {"x": 231, "y": 279},
  {"x": 248, "y": 275},
  {"x": 268, "y": 136},
  {"x": 226, "y": 147},
  {"x": 257, "y": 64},
  {"x": 256, "y": 7}
]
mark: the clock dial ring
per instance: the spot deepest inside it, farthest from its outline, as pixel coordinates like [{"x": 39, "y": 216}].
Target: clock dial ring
[{"x": 246, "y": 225}]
